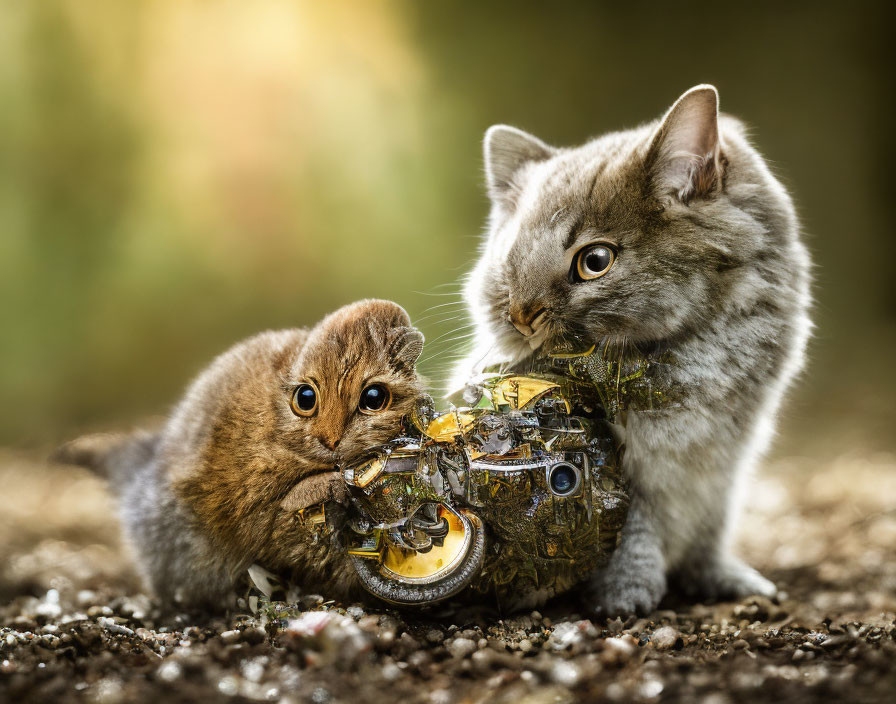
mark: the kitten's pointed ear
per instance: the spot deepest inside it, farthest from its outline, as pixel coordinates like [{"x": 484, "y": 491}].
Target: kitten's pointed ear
[
  {"x": 685, "y": 155},
  {"x": 506, "y": 150},
  {"x": 407, "y": 345}
]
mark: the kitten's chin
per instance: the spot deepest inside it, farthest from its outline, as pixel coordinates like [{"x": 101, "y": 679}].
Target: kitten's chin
[
  {"x": 515, "y": 348},
  {"x": 363, "y": 447},
  {"x": 540, "y": 340}
]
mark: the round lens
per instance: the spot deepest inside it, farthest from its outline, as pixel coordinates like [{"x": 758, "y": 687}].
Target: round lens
[
  {"x": 563, "y": 479},
  {"x": 304, "y": 400},
  {"x": 594, "y": 261},
  {"x": 598, "y": 259},
  {"x": 374, "y": 398}
]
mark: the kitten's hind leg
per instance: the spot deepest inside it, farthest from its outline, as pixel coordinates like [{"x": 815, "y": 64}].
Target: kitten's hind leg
[
  {"x": 724, "y": 577},
  {"x": 634, "y": 580}
]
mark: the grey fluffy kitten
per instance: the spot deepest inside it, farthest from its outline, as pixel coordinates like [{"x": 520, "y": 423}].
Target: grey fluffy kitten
[{"x": 676, "y": 237}]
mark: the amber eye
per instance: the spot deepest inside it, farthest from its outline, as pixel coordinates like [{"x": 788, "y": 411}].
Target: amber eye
[
  {"x": 593, "y": 261},
  {"x": 304, "y": 400},
  {"x": 374, "y": 398}
]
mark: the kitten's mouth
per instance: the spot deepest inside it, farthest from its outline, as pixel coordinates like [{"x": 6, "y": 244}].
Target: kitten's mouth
[
  {"x": 534, "y": 327},
  {"x": 326, "y": 456},
  {"x": 519, "y": 344},
  {"x": 538, "y": 338},
  {"x": 528, "y": 325}
]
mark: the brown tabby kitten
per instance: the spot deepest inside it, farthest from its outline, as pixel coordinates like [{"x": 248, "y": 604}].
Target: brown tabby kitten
[{"x": 201, "y": 500}]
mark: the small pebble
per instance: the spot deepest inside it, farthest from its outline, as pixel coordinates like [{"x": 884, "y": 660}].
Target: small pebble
[
  {"x": 230, "y": 637},
  {"x": 391, "y": 672},
  {"x": 618, "y": 649},
  {"x": 528, "y": 677},
  {"x": 409, "y": 643},
  {"x": 320, "y": 696},
  {"x": 97, "y": 611},
  {"x": 253, "y": 670},
  {"x": 441, "y": 696},
  {"x": 419, "y": 659},
  {"x": 461, "y": 647},
  {"x": 228, "y": 685},
  {"x": 799, "y": 655},
  {"x": 566, "y": 673},
  {"x": 665, "y": 638},
  {"x": 170, "y": 670},
  {"x": 369, "y": 623},
  {"x": 650, "y": 689},
  {"x": 49, "y": 609},
  {"x": 355, "y": 611},
  {"x": 86, "y": 597},
  {"x": 108, "y": 691}
]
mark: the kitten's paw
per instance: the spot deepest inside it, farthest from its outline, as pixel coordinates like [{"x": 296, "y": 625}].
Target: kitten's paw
[
  {"x": 748, "y": 582},
  {"x": 621, "y": 595},
  {"x": 731, "y": 578}
]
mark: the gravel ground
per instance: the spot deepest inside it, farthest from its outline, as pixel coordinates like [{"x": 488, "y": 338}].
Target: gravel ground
[{"x": 75, "y": 627}]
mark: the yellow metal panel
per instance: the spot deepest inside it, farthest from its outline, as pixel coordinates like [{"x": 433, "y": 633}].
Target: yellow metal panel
[
  {"x": 572, "y": 355},
  {"x": 370, "y": 471},
  {"x": 411, "y": 564},
  {"x": 519, "y": 392},
  {"x": 448, "y": 426}
]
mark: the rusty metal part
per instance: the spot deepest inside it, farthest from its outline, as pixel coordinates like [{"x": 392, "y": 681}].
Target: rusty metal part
[{"x": 519, "y": 493}]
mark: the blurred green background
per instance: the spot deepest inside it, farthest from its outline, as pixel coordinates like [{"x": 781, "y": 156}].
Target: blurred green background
[{"x": 177, "y": 175}]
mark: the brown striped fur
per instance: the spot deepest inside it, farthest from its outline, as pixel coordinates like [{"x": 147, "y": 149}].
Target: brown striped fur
[{"x": 208, "y": 502}]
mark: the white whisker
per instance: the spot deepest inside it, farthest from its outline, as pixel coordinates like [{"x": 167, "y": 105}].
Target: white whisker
[
  {"x": 442, "y": 317},
  {"x": 443, "y": 305},
  {"x": 468, "y": 328}
]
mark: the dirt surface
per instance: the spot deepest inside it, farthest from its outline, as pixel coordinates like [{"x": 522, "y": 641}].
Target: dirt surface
[{"x": 75, "y": 627}]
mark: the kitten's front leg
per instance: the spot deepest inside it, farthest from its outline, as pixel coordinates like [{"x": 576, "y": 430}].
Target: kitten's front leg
[
  {"x": 634, "y": 580},
  {"x": 723, "y": 576}
]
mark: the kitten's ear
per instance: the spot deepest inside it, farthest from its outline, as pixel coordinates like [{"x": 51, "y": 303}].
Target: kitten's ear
[
  {"x": 685, "y": 155},
  {"x": 506, "y": 150},
  {"x": 406, "y": 345}
]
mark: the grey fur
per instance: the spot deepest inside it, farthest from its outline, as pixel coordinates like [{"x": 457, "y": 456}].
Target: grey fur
[
  {"x": 175, "y": 558},
  {"x": 710, "y": 267}
]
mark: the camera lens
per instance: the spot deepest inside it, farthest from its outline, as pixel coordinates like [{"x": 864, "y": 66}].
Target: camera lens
[{"x": 563, "y": 479}]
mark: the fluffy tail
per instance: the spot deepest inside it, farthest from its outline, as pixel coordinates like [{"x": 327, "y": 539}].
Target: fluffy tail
[{"x": 108, "y": 454}]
